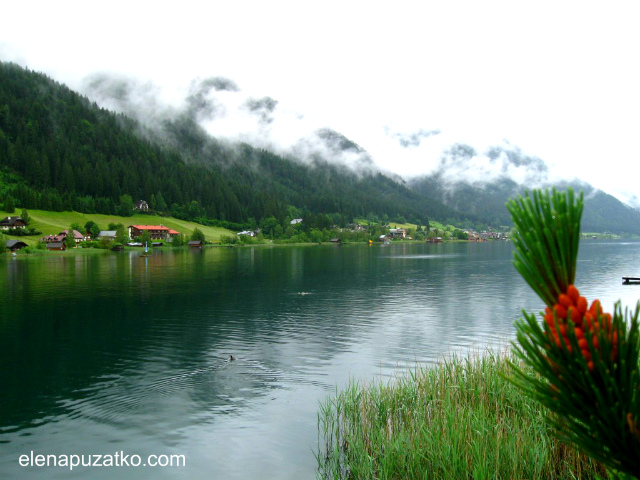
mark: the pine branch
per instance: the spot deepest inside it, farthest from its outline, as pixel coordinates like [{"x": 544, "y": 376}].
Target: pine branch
[{"x": 587, "y": 360}]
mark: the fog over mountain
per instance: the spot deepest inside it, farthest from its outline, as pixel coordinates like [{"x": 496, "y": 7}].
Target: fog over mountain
[
  {"x": 232, "y": 116},
  {"x": 481, "y": 183}
]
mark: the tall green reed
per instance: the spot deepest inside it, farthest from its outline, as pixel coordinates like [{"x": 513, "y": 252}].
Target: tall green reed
[{"x": 461, "y": 419}]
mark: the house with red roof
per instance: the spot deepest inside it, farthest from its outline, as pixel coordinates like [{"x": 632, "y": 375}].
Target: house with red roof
[
  {"x": 158, "y": 232},
  {"x": 77, "y": 236}
]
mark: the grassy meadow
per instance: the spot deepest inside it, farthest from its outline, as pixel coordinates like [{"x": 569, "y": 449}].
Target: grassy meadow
[
  {"x": 433, "y": 225},
  {"x": 52, "y": 223},
  {"x": 460, "y": 419}
]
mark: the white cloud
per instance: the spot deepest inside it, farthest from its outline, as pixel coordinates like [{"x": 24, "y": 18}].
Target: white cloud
[{"x": 556, "y": 79}]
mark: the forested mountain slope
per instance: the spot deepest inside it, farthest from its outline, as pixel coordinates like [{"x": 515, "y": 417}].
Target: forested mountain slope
[{"x": 68, "y": 153}]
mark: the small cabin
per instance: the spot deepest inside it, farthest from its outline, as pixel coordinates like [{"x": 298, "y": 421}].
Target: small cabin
[
  {"x": 56, "y": 246},
  {"x": 337, "y": 241},
  {"x": 141, "y": 206},
  {"x": 77, "y": 236},
  {"x": 195, "y": 244},
  {"x": 108, "y": 234},
  {"x": 15, "y": 245},
  {"x": 12, "y": 222}
]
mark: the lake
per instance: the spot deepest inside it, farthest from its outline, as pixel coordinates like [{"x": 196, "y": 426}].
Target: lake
[{"x": 117, "y": 353}]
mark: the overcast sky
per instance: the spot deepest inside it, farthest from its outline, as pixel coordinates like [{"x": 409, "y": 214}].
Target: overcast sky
[{"x": 559, "y": 80}]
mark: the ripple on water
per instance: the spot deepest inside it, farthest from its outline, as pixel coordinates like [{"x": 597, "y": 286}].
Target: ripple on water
[{"x": 144, "y": 359}]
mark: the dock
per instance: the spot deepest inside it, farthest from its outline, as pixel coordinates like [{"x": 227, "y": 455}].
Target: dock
[{"x": 630, "y": 280}]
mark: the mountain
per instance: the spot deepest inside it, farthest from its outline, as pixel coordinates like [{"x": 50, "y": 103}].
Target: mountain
[
  {"x": 480, "y": 184},
  {"x": 61, "y": 151},
  {"x": 65, "y": 152}
]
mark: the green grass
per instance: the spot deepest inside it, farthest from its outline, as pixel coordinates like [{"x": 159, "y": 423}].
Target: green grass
[
  {"x": 54, "y": 222},
  {"x": 441, "y": 227},
  {"x": 461, "y": 419}
]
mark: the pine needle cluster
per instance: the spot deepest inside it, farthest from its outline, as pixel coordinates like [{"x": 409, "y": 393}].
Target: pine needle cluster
[{"x": 586, "y": 360}]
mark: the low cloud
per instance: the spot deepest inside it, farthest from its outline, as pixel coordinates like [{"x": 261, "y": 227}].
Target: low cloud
[
  {"x": 262, "y": 107},
  {"x": 201, "y": 101},
  {"x": 119, "y": 93},
  {"x": 328, "y": 145},
  {"x": 221, "y": 84},
  {"x": 463, "y": 163},
  {"x": 229, "y": 114},
  {"x": 413, "y": 139}
]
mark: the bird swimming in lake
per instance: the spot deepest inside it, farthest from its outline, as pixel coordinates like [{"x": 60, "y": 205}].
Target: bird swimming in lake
[{"x": 231, "y": 358}]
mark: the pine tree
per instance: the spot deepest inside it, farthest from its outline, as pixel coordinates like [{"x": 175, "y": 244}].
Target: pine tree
[{"x": 25, "y": 216}]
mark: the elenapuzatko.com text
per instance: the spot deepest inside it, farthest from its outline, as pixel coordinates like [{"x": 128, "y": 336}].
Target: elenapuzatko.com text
[{"x": 118, "y": 459}]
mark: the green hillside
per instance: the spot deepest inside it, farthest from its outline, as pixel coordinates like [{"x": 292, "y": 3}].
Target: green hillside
[{"x": 52, "y": 223}]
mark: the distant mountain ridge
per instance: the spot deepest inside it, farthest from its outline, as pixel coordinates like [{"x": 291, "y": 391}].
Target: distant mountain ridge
[{"x": 468, "y": 187}]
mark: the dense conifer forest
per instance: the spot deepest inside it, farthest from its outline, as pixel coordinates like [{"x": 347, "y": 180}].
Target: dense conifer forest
[{"x": 59, "y": 151}]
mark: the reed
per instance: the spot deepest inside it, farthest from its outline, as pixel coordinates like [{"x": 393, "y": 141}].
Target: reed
[{"x": 460, "y": 419}]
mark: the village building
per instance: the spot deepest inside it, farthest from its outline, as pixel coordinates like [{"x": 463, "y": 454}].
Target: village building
[
  {"x": 248, "y": 233},
  {"x": 108, "y": 234},
  {"x": 12, "y": 222},
  {"x": 56, "y": 246},
  {"x": 50, "y": 239},
  {"x": 141, "y": 206},
  {"x": 296, "y": 221},
  {"x": 397, "y": 233},
  {"x": 157, "y": 232},
  {"x": 195, "y": 244},
  {"x": 77, "y": 236},
  {"x": 61, "y": 237},
  {"x": 15, "y": 245}
]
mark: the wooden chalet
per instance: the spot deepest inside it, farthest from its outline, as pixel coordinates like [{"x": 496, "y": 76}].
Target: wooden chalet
[
  {"x": 141, "y": 206},
  {"x": 15, "y": 245},
  {"x": 12, "y": 222},
  {"x": 77, "y": 236},
  {"x": 195, "y": 244},
  {"x": 56, "y": 246}
]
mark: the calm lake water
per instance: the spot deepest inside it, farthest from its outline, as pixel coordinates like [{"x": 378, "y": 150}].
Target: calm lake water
[{"x": 115, "y": 353}]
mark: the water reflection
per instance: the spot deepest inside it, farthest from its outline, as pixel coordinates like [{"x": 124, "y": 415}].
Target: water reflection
[{"x": 118, "y": 351}]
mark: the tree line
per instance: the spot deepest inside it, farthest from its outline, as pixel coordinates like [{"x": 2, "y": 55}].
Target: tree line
[{"x": 59, "y": 151}]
